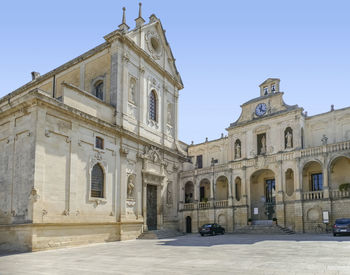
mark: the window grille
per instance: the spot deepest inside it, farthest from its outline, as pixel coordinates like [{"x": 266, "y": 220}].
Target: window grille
[
  {"x": 153, "y": 106},
  {"x": 97, "y": 181}
]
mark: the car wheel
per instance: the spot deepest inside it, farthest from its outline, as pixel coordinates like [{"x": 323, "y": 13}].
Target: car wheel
[
  {"x": 223, "y": 232},
  {"x": 202, "y": 234},
  {"x": 213, "y": 233},
  {"x": 334, "y": 234}
]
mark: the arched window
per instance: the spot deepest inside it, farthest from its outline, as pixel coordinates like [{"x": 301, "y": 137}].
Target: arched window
[
  {"x": 153, "y": 106},
  {"x": 238, "y": 149},
  {"x": 288, "y": 138},
  {"x": 97, "y": 181},
  {"x": 98, "y": 90}
]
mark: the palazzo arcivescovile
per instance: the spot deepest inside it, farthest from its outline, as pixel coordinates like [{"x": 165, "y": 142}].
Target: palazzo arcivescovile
[{"x": 89, "y": 152}]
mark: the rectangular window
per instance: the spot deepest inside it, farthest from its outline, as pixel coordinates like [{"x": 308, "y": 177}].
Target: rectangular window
[
  {"x": 317, "y": 182},
  {"x": 99, "y": 143},
  {"x": 199, "y": 161}
]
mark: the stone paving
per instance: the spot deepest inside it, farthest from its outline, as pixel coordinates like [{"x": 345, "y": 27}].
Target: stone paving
[{"x": 192, "y": 254}]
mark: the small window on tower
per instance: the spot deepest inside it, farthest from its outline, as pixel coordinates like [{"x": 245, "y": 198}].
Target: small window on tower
[
  {"x": 99, "y": 143},
  {"x": 266, "y": 90},
  {"x": 273, "y": 88}
]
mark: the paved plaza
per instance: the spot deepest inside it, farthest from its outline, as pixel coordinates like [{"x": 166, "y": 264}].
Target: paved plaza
[{"x": 192, "y": 254}]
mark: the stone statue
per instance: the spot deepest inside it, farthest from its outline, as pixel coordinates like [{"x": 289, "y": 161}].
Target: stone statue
[
  {"x": 238, "y": 150},
  {"x": 169, "y": 116},
  {"x": 263, "y": 145},
  {"x": 324, "y": 140},
  {"x": 169, "y": 194},
  {"x": 131, "y": 187},
  {"x": 289, "y": 139},
  {"x": 132, "y": 90}
]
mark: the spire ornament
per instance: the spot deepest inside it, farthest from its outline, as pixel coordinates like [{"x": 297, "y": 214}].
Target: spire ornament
[
  {"x": 139, "y": 20},
  {"x": 123, "y": 26}
]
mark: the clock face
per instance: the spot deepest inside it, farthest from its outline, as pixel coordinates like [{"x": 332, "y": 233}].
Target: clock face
[{"x": 260, "y": 110}]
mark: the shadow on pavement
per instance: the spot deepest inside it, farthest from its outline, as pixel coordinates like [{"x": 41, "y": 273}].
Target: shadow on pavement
[{"x": 244, "y": 239}]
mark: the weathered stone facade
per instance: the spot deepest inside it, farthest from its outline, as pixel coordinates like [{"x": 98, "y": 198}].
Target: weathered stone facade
[
  {"x": 81, "y": 145},
  {"x": 275, "y": 163}
]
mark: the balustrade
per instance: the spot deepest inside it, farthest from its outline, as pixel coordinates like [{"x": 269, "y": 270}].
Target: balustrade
[
  {"x": 188, "y": 206},
  {"x": 315, "y": 195},
  {"x": 221, "y": 203},
  {"x": 337, "y": 194}
]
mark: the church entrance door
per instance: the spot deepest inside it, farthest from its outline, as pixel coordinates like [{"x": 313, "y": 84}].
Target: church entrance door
[
  {"x": 270, "y": 204},
  {"x": 151, "y": 207},
  {"x": 188, "y": 224}
]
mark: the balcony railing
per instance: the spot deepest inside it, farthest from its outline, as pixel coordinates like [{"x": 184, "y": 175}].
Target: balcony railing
[
  {"x": 188, "y": 206},
  {"x": 221, "y": 203},
  {"x": 337, "y": 194},
  {"x": 315, "y": 195},
  {"x": 204, "y": 205}
]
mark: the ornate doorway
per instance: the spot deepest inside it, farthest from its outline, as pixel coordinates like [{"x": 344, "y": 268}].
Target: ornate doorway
[
  {"x": 263, "y": 195},
  {"x": 151, "y": 207}
]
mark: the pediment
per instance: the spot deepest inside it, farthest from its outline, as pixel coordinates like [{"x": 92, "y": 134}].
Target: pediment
[{"x": 153, "y": 41}]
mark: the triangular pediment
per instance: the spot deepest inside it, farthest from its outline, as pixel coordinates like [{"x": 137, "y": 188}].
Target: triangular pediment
[{"x": 153, "y": 41}]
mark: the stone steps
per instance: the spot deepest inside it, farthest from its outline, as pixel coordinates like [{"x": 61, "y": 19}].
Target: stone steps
[
  {"x": 159, "y": 234},
  {"x": 263, "y": 230}
]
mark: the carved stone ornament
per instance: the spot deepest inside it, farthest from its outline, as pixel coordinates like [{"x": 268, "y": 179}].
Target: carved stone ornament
[
  {"x": 47, "y": 133},
  {"x": 124, "y": 151},
  {"x": 66, "y": 212},
  {"x": 154, "y": 45},
  {"x": 34, "y": 196},
  {"x": 152, "y": 153}
]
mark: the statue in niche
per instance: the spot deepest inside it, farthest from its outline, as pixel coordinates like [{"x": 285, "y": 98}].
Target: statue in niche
[
  {"x": 289, "y": 139},
  {"x": 263, "y": 145},
  {"x": 169, "y": 116},
  {"x": 238, "y": 150},
  {"x": 132, "y": 90},
  {"x": 169, "y": 194},
  {"x": 131, "y": 187}
]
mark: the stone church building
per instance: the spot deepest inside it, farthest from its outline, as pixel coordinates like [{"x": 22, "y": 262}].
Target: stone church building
[{"x": 89, "y": 152}]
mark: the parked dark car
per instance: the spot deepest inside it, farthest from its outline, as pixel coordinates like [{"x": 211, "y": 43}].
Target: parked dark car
[
  {"x": 211, "y": 229},
  {"x": 341, "y": 226}
]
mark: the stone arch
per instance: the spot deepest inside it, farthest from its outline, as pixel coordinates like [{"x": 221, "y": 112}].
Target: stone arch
[
  {"x": 289, "y": 180},
  {"x": 189, "y": 192},
  {"x": 263, "y": 194},
  {"x": 204, "y": 190},
  {"x": 339, "y": 172},
  {"x": 221, "y": 188},
  {"x": 238, "y": 188},
  {"x": 312, "y": 176}
]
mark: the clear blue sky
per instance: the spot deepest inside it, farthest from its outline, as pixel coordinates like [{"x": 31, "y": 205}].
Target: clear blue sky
[{"x": 223, "y": 49}]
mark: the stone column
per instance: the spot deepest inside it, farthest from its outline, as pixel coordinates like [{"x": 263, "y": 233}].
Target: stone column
[
  {"x": 123, "y": 182},
  {"x": 280, "y": 207},
  {"x": 325, "y": 178},
  {"x": 298, "y": 204},
  {"x": 144, "y": 205},
  {"x": 230, "y": 197}
]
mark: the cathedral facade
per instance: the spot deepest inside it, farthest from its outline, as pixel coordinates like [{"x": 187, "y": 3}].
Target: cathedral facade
[
  {"x": 276, "y": 164},
  {"x": 89, "y": 152}
]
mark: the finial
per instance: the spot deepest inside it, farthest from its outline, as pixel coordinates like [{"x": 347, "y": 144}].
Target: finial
[
  {"x": 123, "y": 26},
  {"x": 332, "y": 107},
  {"x": 123, "y": 21},
  {"x": 140, "y": 11},
  {"x": 139, "y": 20}
]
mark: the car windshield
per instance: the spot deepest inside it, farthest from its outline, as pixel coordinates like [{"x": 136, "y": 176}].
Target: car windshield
[
  {"x": 342, "y": 221},
  {"x": 207, "y": 225}
]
